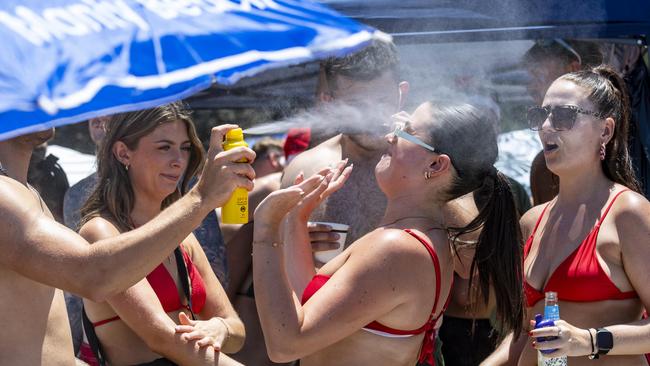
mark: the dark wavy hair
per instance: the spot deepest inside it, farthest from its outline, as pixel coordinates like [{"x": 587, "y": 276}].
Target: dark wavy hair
[
  {"x": 608, "y": 93},
  {"x": 466, "y": 135},
  {"x": 365, "y": 65},
  {"x": 113, "y": 196}
]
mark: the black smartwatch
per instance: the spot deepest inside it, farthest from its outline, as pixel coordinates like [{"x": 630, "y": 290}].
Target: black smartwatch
[{"x": 604, "y": 341}]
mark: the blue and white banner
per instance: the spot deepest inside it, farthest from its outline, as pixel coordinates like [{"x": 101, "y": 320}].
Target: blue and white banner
[{"x": 64, "y": 61}]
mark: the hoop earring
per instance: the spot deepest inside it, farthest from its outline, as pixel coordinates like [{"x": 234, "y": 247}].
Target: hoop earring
[
  {"x": 427, "y": 175},
  {"x": 601, "y": 152}
]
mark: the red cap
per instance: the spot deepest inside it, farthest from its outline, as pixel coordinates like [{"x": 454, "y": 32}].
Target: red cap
[{"x": 296, "y": 142}]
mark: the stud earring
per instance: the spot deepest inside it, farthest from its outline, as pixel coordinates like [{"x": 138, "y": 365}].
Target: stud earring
[{"x": 126, "y": 167}]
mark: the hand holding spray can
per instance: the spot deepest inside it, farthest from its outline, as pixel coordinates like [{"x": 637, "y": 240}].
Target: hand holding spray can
[{"x": 235, "y": 211}]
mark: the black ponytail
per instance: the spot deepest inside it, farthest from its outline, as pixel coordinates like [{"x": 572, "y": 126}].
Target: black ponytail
[
  {"x": 498, "y": 255},
  {"x": 466, "y": 135}
]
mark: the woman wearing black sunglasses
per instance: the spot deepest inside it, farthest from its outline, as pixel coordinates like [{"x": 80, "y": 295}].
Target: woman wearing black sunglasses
[{"x": 590, "y": 243}]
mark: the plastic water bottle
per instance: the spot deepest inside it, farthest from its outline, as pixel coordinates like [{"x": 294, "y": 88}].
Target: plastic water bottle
[
  {"x": 235, "y": 211},
  {"x": 551, "y": 314}
]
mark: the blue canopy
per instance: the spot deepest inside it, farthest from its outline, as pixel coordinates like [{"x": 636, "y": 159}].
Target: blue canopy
[
  {"x": 63, "y": 61},
  {"x": 412, "y": 21}
]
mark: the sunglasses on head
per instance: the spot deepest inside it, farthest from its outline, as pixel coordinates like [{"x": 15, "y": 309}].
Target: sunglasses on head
[{"x": 562, "y": 117}]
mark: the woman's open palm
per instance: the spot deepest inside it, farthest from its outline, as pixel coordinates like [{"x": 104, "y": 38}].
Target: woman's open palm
[{"x": 302, "y": 197}]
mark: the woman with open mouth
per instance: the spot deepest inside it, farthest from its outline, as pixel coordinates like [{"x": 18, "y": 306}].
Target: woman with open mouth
[{"x": 590, "y": 244}]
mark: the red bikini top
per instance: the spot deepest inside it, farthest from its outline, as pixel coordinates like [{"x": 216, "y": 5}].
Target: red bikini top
[
  {"x": 579, "y": 278},
  {"x": 165, "y": 288},
  {"x": 428, "y": 344}
]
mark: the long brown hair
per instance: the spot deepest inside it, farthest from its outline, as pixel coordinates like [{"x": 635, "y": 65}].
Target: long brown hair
[
  {"x": 608, "y": 93},
  {"x": 113, "y": 196},
  {"x": 465, "y": 134}
]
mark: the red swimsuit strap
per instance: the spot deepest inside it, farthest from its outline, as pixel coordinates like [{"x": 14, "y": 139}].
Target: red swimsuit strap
[
  {"x": 428, "y": 343},
  {"x": 611, "y": 203},
  {"x": 436, "y": 265},
  {"x": 529, "y": 242}
]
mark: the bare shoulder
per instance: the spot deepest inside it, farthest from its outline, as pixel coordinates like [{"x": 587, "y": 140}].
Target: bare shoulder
[
  {"x": 20, "y": 213},
  {"x": 192, "y": 246},
  {"x": 631, "y": 213},
  {"x": 16, "y": 198},
  {"x": 631, "y": 202},
  {"x": 394, "y": 247},
  {"x": 530, "y": 219},
  {"x": 313, "y": 160},
  {"x": 98, "y": 228}
]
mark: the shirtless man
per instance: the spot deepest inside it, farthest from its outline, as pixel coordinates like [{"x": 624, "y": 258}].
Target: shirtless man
[
  {"x": 40, "y": 256},
  {"x": 366, "y": 78}
]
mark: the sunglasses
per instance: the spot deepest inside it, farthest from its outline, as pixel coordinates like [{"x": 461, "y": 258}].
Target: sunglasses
[
  {"x": 399, "y": 132},
  {"x": 562, "y": 117}
]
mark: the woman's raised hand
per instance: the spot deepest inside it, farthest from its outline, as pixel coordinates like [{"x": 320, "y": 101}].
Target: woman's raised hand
[
  {"x": 336, "y": 178},
  {"x": 224, "y": 171},
  {"x": 300, "y": 198}
]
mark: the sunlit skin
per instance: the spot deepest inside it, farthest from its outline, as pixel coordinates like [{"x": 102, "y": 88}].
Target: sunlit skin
[
  {"x": 156, "y": 166},
  {"x": 621, "y": 246},
  {"x": 47, "y": 337},
  {"x": 373, "y": 279}
]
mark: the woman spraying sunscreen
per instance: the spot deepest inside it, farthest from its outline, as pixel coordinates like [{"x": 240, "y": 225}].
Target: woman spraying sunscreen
[{"x": 235, "y": 211}]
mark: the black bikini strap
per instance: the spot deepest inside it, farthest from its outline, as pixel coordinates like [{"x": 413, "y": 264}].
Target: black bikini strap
[
  {"x": 182, "y": 274},
  {"x": 89, "y": 328},
  {"x": 93, "y": 341}
]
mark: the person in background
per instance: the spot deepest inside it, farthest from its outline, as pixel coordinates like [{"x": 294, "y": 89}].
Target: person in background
[
  {"x": 367, "y": 81},
  {"x": 49, "y": 179},
  {"x": 297, "y": 141},
  {"x": 77, "y": 195},
  {"x": 145, "y": 163},
  {"x": 469, "y": 321},
  {"x": 590, "y": 243},
  {"x": 74, "y": 198},
  {"x": 268, "y": 165},
  {"x": 546, "y": 61}
]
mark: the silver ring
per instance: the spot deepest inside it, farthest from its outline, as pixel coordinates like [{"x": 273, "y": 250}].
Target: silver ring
[{"x": 559, "y": 332}]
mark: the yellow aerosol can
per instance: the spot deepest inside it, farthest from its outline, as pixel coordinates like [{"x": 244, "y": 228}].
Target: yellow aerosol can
[{"x": 235, "y": 211}]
